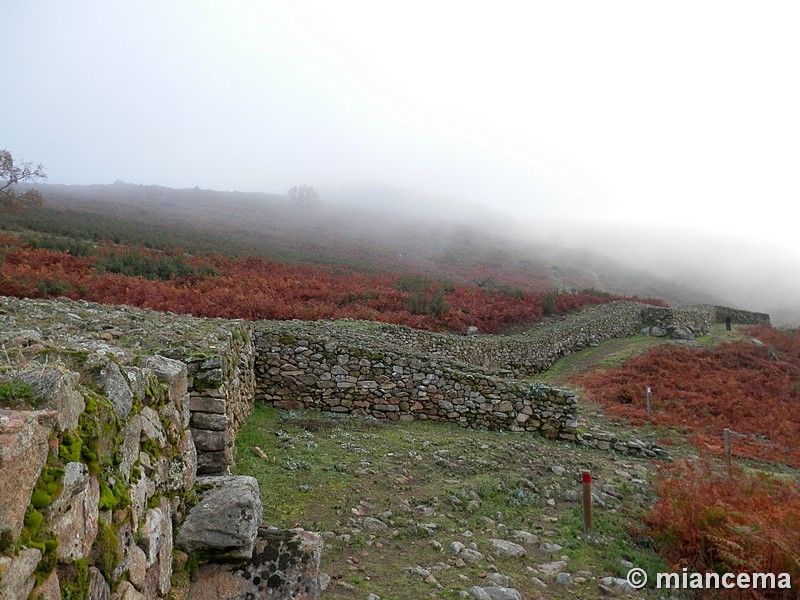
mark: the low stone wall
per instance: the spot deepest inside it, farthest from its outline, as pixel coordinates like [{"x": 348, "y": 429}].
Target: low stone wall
[
  {"x": 328, "y": 366},
  {"x": 527, "y": 353},
  {"x": 696, "y": 318},
  {"x": 742, "y": 317},
  {"x": 699, "y": 318},
  {"x": 222, "y": 392}
]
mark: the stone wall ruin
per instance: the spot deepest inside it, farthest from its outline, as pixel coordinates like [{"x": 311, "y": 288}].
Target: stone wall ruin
[{"x": 116, "y": 423}]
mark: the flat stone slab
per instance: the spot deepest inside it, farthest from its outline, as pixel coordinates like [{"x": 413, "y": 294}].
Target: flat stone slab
[{"x": 225, "y": 520}]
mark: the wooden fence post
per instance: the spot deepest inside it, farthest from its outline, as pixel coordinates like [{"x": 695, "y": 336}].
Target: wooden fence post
[
  {"x": 586, "y": 479},
  {"x": 727, "y": 434}
]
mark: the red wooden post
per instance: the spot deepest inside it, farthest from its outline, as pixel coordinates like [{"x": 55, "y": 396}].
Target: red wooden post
[{"x": 586, "y": 480}]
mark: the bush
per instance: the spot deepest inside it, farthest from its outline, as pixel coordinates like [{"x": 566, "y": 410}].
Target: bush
[
  {"x": 50, "y": 287},
  {"x": 747, "y": 522},
  {"x": 140, "y": 264},
  {"x": 428, "y": 302},
  {"x": 15, "y": 392},
  {"x": 72, "y": 246}
]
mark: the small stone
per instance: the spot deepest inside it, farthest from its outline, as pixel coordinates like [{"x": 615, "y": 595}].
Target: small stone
[
  {"x": 456, "y": 547},
  {"x": 551, "y": 548},
  {"x": 553, "y": 567},
  {"x": 507, "y": 548},
  {"x": 564, "y": 579},
  {"x": 471, "y": 555},
  {"x": 374, "y": 524}
]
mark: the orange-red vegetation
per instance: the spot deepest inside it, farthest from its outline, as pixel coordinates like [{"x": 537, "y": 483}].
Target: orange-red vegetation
[
  {"x": 707, "y": 521},
  {"x": 751, "y": 389},
  {"x": 253, "y": 288}
]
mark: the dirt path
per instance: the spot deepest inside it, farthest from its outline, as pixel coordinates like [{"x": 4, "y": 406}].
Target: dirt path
[
  {"x": 614, "y": 352},
  {"x": 610, "y": 353}
]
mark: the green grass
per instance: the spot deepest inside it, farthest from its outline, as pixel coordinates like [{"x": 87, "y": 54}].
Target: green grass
[
  {"x": 16, "y": 392},
  {"x": 432, "y": 484}
]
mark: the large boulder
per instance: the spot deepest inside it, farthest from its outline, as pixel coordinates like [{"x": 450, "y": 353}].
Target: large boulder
[
  {"x": 114, "y": 384},
  {"x": 23, "y": 453},
  {"x": 226, "y": 518},
  {"x": 74, "y": 515},
  {"x": 285, "y": 564},
  {"x": 16, "y": 574},
  {"x": 682, "y": 333},
  {"x": 57, "y": 387}
]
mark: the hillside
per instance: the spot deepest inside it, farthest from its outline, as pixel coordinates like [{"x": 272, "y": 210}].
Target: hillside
[{"x": 372, "y": 229}]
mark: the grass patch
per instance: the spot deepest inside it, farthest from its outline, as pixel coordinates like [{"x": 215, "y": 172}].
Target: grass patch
[{"x": 431, "y": 484}]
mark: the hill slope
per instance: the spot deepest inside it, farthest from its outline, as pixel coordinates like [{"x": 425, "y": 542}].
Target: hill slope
[{"x": 469, "y": 247}]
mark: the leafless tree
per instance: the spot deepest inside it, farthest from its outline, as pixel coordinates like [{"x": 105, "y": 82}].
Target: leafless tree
[
  {"x": 304, "y": 195},
  {"x": 13, "y": 174}
]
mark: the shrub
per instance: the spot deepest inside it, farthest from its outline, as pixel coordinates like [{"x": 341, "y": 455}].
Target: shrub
[
  {"x": 50, "y": 287},
  {"x": 15, "y": 392},
  {"x": 706, "y": 520}
]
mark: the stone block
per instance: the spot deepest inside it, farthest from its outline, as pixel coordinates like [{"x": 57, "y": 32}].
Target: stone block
[
  {"x": 17, "y": 579},
  {"x": 57, "y": 387},
  {"x": 210, "y": 441},
  {"x": 49, "y": 590},
  {"x": 172, "y": 372},
  {"x": 225, "y": 519},
  {"x": 208, "y": 421},
  {"x": 208, "y": 405},
  {"x": 152, "y": 428},
  {"x": 98, "y": 587},
  {"x": 115, "y": 386}
]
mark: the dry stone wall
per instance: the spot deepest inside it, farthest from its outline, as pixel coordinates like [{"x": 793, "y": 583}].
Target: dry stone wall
[
  {"x": 333, "y": 366},
  {"x": 743, "y": 317},
  {"x": 527, "y": 353},
  {"x": 107, "y": 415}
]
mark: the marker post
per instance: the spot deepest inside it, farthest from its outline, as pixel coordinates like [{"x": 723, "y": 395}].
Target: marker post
[{"x": 586, "y": 480}]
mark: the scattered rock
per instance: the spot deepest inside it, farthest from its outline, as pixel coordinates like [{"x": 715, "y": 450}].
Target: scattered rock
[
  {"x": 374, "y": 524},
  {"x": 564, "y": 579},
  {"x": 494, "y": 593},
  {"x": 507, "y": 548},
  {"x": 553, "y": 567}
]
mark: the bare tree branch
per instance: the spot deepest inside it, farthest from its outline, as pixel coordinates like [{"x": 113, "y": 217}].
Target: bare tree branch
[{"x": 12, "y": 175}]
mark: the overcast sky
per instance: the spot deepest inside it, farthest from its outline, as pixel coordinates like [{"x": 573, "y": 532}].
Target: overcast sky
[{"x": 685, "y": 113}]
